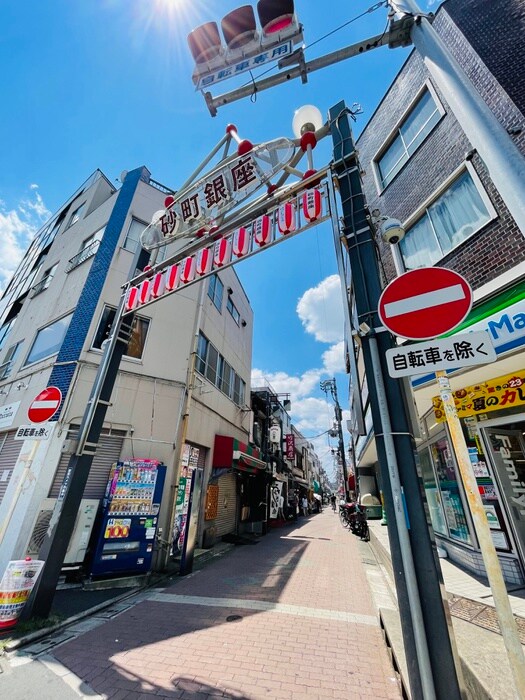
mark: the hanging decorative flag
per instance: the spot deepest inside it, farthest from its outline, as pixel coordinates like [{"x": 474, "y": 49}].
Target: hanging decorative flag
[
  {"x": 223, "y": 252},
  {"x": 286, "y": 217},
  {"x": 144, "y": 292},
  {"x": 241, "y": 242},
  {"x": 204, "y": 261},
  {"x": 312, "y": 204},
  {"x": 262, "y": 230}
]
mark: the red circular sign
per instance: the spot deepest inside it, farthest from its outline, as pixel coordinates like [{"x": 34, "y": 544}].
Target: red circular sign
[
  {"x": 425, "y": 303},
  {"x": 45, "y": 405}
]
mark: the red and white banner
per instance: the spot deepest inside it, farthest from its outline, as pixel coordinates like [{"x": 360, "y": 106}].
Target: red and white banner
[
  {"x": 286, "y": 217},
  {"x": 262, "y": 230},
  {"x": 241, "y": 242}
]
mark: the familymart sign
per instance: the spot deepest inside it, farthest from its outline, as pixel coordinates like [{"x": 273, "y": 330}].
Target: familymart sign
[{"x": 506, "y": 329}]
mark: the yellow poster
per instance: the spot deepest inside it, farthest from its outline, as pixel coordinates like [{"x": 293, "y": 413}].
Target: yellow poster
[{"x": 502, "y": 392}]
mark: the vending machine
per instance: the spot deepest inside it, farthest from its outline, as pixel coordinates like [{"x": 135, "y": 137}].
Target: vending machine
[{"x": 130, "y": 510}]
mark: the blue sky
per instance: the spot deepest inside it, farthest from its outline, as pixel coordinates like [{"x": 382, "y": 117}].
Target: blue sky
[{"x": 107, "y": 84}]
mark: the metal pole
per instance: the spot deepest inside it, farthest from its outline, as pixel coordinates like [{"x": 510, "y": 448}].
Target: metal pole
[
  {"x": 362, "y": 255},
  {"x": 338, "y": 417},
  {"x": 507, "y": 622},
  {"x": 416, "y": 614},
  {"x": 504, "y": 162}
]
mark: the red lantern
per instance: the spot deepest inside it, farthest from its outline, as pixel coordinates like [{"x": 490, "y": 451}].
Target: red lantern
[
  {"x": 172, "y": 277},
  {"x": 158, "y": 285},
  {"x": 188, "y": 269},
  {"x": 312, "y": 204},
  {"x": 286, "y": 217},
  {"x": 144, "y": 292},
  {"x": 204, "y": 261},
  {"x": 223, "y": 252},
  {"x": 241, "y": 242},
  {"x": 132, "y": 299},
  {"x": 262, "y": 230}
]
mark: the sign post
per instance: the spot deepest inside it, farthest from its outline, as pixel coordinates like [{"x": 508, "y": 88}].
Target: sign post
[{"x": 420, "y": 305}]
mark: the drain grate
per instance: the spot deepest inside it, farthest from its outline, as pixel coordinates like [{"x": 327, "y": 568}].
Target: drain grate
[
  {"x": 234, "y": 618},
  {"x": 481, "y": 615}
]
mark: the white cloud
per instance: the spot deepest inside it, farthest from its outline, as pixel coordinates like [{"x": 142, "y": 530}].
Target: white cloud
[
  {"x": 321, "y": 311},
  {"x": 283, "y": 383},
  {"x": 334, "y": 359},
  {"x": 17, "y": 228}
]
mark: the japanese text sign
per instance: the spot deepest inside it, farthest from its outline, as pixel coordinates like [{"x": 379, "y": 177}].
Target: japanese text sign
[
  {"x": 502, "y": 392},
  {"x": 290, "y": 446},
  {"x": 448, "y": 353}
]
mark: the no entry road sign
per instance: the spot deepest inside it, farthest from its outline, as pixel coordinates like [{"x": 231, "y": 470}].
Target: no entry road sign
[
  {"x": 425, "y": 303},
  {"x": 45, "y": 405}
]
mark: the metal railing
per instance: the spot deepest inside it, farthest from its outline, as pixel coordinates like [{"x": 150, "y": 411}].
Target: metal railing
[{"x": 81, "y": 257}]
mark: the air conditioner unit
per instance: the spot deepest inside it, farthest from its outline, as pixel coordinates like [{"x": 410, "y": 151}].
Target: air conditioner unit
[{"x": 79, "y": 541}]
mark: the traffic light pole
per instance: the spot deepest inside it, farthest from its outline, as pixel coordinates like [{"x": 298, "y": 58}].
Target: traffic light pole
[
  {"x": 430, "y": 650},
  {"x": 54, "y": 547}
]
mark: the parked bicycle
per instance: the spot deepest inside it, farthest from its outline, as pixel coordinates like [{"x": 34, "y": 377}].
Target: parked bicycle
[{"x": 353, "y": 516}]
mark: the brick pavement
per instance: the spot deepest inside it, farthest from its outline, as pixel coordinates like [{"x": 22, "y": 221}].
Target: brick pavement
[{"x": 303, "y": 626}]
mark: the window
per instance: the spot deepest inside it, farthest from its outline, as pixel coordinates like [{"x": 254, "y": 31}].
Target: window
[
  {"x": 48, "y": 340},
  {"x": 139, "y": 331},
  {"x": 9, "y": 359},
  {"x": 215, "y": 291},
  {"x": 45, "y": 281},
  {"x": 233, "y": 311},
  {"x": 132, "y": 240},
  {"x": 75, "y": 216},
  {"x": 408, "y": 136},
  {"x": 454, "y": 216},
  {"x": 212, "y": 365},
  {"x": 5, "y": 330}
]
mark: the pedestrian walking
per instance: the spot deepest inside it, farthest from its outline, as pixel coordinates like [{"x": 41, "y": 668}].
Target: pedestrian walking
[
  {"x": 332, "y": 501},
  {"x": 304, "y": 504}
]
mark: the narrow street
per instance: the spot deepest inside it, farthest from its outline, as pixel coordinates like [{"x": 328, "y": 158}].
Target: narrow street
[{"x": 289, "y": 617}]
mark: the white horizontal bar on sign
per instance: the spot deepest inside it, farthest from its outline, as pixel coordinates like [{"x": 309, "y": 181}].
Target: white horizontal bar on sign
[
  {"x": 420, "y": 302},
  {"x": 44, "y": 404}
]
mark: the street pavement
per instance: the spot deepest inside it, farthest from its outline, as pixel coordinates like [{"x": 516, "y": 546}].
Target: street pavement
[{"x": 289, "y": 617}]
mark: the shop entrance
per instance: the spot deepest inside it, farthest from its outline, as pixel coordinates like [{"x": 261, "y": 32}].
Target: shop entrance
[{"x": 506, "y": 447}]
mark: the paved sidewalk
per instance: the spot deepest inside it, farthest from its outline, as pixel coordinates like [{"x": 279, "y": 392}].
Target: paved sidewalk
[{"x": 290, "y": 617}]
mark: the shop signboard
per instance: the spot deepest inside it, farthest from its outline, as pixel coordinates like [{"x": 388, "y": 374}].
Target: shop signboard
[
  {"x": 8, "y": 413},
  {"x": 507, "y": 391},
  {"x": 290, "y": 446},
  {"x": 16, "y": 585},
  {"x": 468, "y": 349}
]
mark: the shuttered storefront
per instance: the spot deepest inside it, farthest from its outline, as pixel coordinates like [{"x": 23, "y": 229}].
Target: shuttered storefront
[
  {"x": 227, "y": 509},
  {"x": 108, "y": 452},
  {"x": 9, "y": 451}
]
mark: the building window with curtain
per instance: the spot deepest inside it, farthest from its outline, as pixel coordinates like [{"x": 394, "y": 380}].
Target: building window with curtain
[
  {"x": 408, "y": 136},
  {"x": 458, "y": 213},
  {"x": 137, "y": 340}
]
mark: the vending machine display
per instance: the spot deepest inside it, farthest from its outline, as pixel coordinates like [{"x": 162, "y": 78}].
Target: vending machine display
[{"x": 130, "y": 512}]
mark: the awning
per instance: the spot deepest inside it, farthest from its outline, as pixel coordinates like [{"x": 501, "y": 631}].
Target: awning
[
  {"x": 317, "y": 487},
  {"x": 302, "y": 482},
  {"x": 230, "y": 453}
]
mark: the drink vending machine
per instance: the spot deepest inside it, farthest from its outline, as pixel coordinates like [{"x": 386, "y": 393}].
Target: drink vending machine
[{"x": 130, "y": 511}]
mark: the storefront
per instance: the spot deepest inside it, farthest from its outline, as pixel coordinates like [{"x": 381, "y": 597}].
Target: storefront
[
  {"x": 492, "y": 415},
  {"x": 242, "y": 480}
]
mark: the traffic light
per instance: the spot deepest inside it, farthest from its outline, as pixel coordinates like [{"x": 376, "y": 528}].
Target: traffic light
[
  {"x": 275, "y": 15},
  {"x": 205, "y": 42},
  {"x": 238, "y": 27}
]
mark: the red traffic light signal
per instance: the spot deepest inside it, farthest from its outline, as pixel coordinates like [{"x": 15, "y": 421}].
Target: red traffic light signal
[{"x": 275, "y": 15}]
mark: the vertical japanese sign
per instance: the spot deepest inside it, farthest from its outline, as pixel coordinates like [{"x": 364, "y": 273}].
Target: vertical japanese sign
[{"x": 290, "y": 446}]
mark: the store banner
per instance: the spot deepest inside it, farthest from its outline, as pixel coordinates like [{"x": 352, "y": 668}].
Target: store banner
[
  {"x": 507, "y": 391},
  {"x": 290, "y": 446},
  {"x": 15, "y": 588},
  {"x": 276, "y": 501}
]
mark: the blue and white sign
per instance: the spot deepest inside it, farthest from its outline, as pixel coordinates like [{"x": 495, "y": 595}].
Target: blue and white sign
[
  {"x": 506, "y": 329},
  {"x": 274, "y": 53}
]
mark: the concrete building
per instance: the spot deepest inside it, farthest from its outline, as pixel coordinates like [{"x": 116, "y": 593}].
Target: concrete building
[
  {"x": 54, "y": 317},
  {"x": 420, "y": 168}
]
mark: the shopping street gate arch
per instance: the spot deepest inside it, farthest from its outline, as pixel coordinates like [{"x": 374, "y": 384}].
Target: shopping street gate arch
[{"x": 287, "y": 213}]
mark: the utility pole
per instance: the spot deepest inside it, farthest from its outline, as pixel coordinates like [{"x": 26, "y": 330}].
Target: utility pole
[
  {"x": 432, "y": 668},
  {"x": 330, "y": 385}
]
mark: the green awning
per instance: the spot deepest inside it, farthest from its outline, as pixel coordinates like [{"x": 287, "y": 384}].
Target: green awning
[{"x": 317, "y": 487}]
